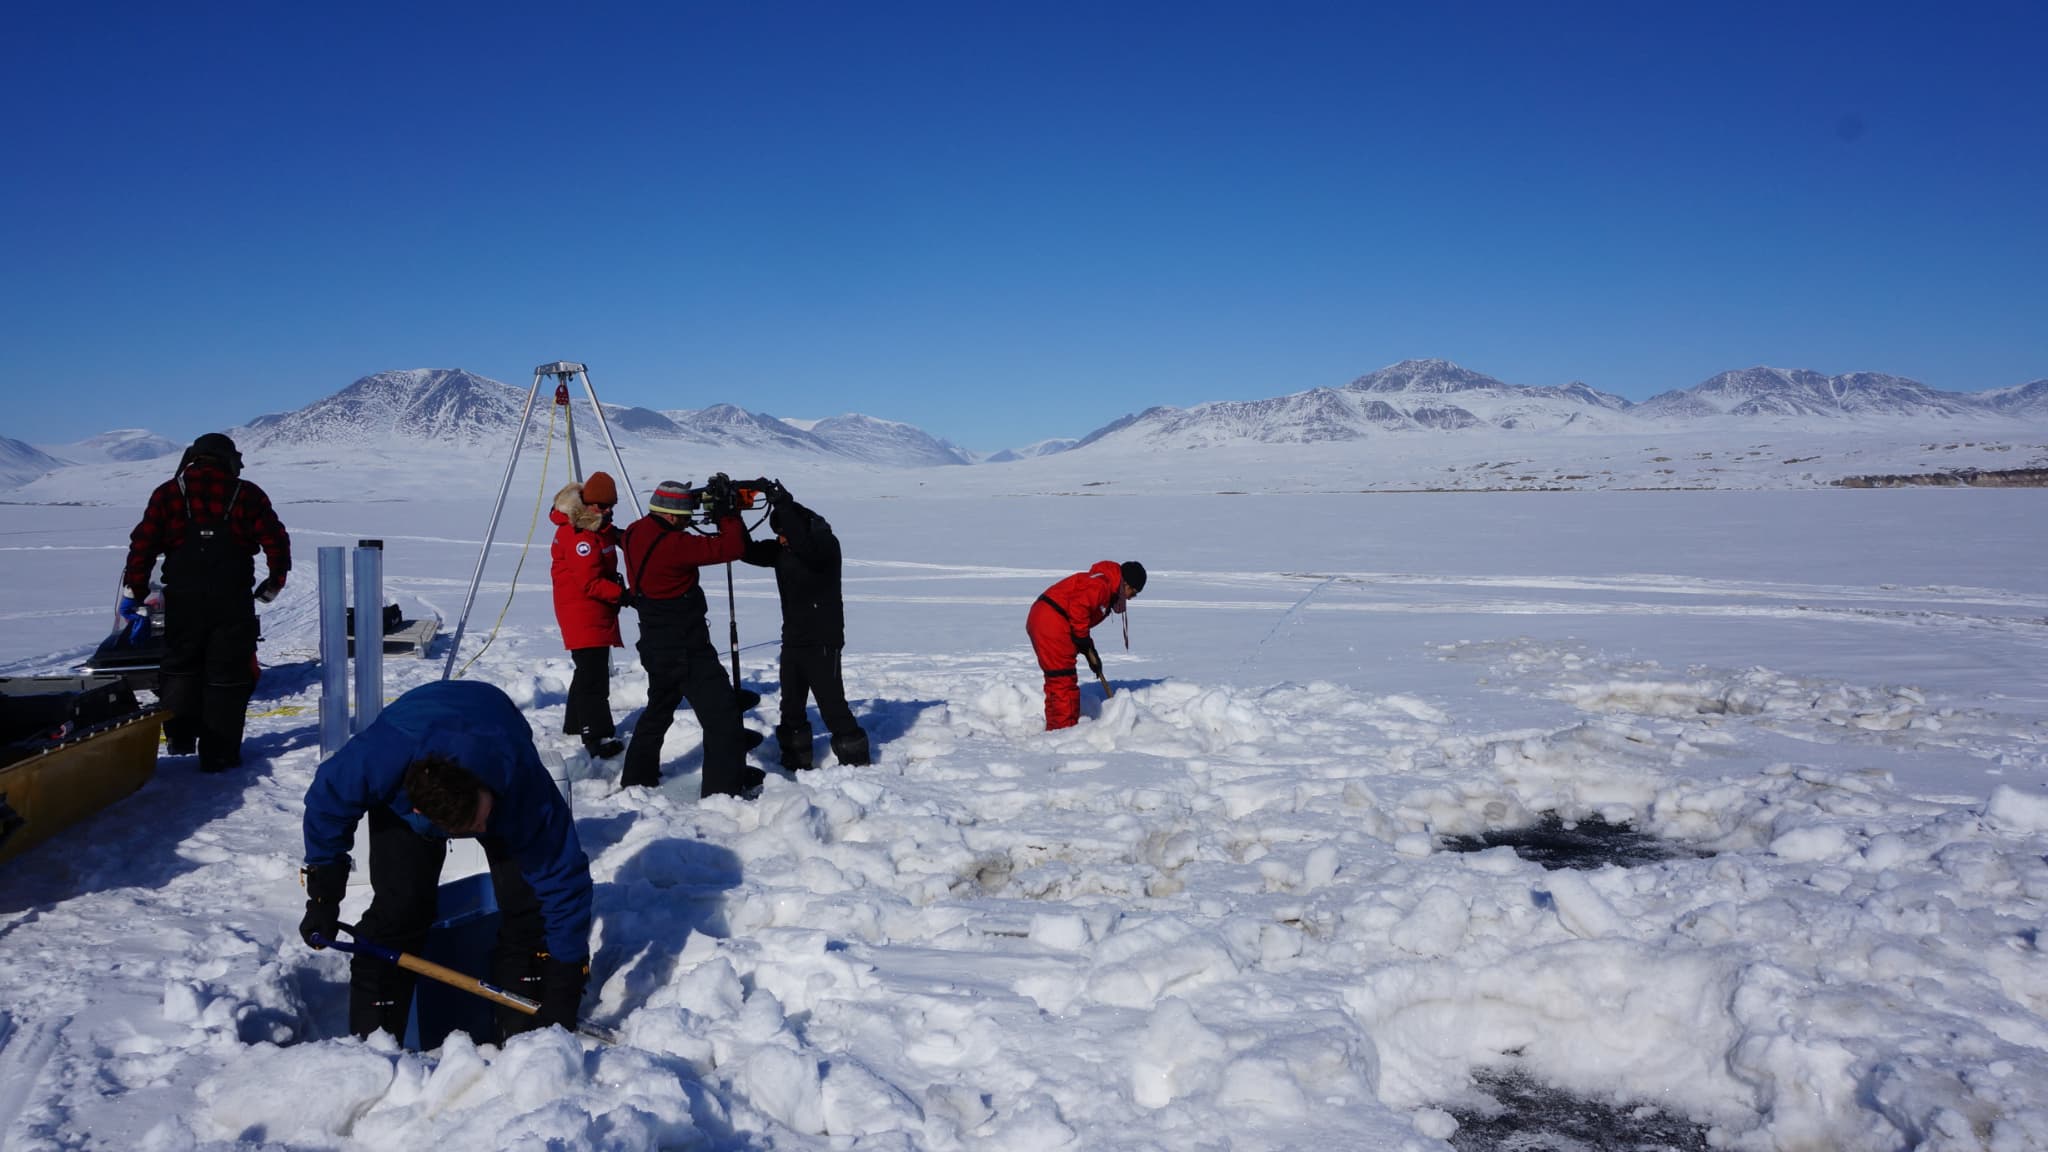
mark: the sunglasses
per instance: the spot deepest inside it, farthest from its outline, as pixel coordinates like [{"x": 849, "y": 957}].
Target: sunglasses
[{"x": 601, "y": 503}]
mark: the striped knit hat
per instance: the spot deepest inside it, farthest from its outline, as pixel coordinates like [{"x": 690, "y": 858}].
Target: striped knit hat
[{"x": 673, "y": 497}]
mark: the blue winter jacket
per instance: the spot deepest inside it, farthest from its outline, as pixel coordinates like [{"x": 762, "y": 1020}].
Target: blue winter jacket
[{"x": 478, "y": 726}]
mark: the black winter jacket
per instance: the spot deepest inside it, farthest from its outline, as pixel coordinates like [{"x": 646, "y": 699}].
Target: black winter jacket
[{"x": 806, "y": 576}]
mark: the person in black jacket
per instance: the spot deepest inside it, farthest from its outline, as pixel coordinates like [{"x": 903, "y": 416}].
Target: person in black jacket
[{"x": 805, "y": 556}]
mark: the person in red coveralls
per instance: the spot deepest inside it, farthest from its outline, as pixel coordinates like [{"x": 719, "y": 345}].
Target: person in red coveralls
[
  {"x": 208, "y": 524},
  {"x": 1059, "y": 623},
  {"x": 662, "y": 557},
  {"x": 588, "y": 592}
]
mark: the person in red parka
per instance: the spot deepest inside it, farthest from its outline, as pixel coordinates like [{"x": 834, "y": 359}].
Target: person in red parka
[
  {"x": 588, "y": 593},
  {"x": 1059, "y": 623}
]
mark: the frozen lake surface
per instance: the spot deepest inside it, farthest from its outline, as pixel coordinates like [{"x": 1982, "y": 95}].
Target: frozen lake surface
[{"x": 1219, "y": 913}]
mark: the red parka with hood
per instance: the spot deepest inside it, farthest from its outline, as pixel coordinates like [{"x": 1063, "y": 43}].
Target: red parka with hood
[{"x": 588, "y": 590}]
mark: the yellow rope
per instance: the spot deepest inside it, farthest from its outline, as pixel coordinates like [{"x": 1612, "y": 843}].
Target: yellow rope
[
  {"x": 295, "y": 710},
  {"x": 547, "y": 453}
]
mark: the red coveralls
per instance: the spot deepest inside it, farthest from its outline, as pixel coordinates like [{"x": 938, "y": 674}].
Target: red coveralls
[{"x": 1058, "y": 626}]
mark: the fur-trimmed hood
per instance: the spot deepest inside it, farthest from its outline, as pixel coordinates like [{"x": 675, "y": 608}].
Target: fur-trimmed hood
[{"x": 569, "y": 502}]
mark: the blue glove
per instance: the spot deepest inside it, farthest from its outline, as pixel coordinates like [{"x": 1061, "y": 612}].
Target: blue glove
[{"x": 137, "y": 616}]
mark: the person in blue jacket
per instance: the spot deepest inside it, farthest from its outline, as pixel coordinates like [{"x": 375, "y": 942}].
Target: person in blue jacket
[{"x": 450, "y": 759}]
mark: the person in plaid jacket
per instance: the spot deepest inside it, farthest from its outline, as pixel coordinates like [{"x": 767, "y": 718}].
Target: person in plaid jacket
[{"x": 208, "y": 524}]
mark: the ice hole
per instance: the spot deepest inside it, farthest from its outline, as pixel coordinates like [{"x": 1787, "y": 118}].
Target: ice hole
[
  {"x": 1586, "y": 843},
  {"x": 1513, "y": 1113}
]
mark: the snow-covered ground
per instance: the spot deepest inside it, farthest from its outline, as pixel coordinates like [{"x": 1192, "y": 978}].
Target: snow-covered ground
[{"x": 1216, "y": 915}]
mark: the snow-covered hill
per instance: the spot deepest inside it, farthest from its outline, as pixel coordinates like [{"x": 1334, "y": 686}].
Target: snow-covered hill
[
  {"x": 446, "y": 405},
  {"x": 1029, "y": 451},
  {"x": 21, "y": 463},
  {"x": 119, "y": 444},
  {"x": 732, "y": 426},
  {"x": 885, "y": 441},
  {"x": 2029, "y": 399},
  {"x": 1767, "y": 392}
]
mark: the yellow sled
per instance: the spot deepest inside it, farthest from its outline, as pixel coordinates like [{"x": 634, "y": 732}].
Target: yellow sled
[{"x": 69, "y": 746}]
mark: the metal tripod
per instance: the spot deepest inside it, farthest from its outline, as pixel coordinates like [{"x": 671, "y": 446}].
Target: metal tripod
[{"x": 563, "y": 371}]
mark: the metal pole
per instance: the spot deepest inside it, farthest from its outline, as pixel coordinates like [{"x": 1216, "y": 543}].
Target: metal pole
[
  {"x": 333, "y": 650},
  {"x": 369, "y": 631},
  {"x": 732, "y": 615},
  {"x": 618, "y": 461},
  {"x": 491, "y": 531}
]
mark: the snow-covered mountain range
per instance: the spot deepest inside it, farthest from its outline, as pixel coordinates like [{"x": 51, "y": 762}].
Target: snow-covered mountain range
[
  {"x": 1413, "y": 404},
  {"x": 1439, "y": 396},
  {"x": 464, "y": 410}
]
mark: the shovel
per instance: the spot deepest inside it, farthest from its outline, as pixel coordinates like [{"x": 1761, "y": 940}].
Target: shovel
[
  {"x": 1095, "y": 666},
  {"x": 454, "y": 979}
]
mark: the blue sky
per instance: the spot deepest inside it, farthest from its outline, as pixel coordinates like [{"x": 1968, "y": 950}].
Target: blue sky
[{"x": 1006, "y": 221}]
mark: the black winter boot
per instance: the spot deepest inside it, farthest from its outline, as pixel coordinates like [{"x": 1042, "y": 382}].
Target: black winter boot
[
  {"x": 795, "y": 742},
  {"x": 181, "y": 736},
  {"x": 517, "y": 972},
  {"x": 217, "y": 753},
  {"x": 851, "y": 749},
  {"x": 379, "y": 998}
]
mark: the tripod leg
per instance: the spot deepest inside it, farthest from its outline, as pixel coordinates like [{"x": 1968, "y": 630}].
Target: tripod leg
[{"x": 491, "y": 531}]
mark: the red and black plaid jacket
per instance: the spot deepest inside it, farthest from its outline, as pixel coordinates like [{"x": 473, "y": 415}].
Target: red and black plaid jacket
[{"x": 252, "y": 522}]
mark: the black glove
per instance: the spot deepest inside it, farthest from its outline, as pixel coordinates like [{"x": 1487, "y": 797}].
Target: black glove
[
  {"x": 561, "y": 991},
  {"x": 1094, "y": 658},
  {"x": 271, "y": 586},
  {"x": 777, "y": 494},
  {"x": 325, "y": 886},
  {"x": 719, "y": 498}
]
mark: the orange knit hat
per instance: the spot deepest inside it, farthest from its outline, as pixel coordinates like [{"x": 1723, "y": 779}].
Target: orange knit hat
[{"x": 599, "y": 489}]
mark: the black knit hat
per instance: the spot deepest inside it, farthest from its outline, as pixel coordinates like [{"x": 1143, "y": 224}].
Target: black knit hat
[
  {"x": 790, "y": 514},
  {"x": 214, "y": 446},
  {"x": 1134, "y": 575}
]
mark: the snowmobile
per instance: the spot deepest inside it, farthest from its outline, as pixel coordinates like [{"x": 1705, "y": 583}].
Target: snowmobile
[{"x": 134, "y": 649}]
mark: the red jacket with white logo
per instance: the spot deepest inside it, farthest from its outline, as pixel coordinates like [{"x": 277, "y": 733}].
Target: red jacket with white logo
[{"x": 588, "y": 591}]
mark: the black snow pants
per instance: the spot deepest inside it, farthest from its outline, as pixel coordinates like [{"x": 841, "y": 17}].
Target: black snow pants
[
  {"x": 405, "y": 885},
  {"x": 675, "y": 647},
  {"x": 588, "y": 713},
  {"x": 813, "y": 670},
  {"x": 210, "y": 630}
]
